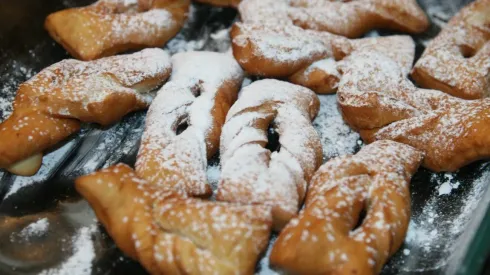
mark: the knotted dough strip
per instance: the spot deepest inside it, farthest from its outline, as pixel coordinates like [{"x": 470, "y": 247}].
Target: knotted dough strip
[
  {"x": 378, "y": 100},
  {"x": 307, "y": 57},
  {"x": 252, "y": 174},
  {"x": 324, "y": 238},
  {"x": 457, "y": 61},
  {"x": 201, "y": 90},
  {"x": 171, "y": 234},
  {"x": 108, "y": 27},
  {"x": 345, "y": 18},
  {"x": 49, "y": 106}
]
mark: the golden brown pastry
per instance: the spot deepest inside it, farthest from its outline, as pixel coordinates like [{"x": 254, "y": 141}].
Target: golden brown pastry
[
  {"x": 324, "y": 238},
  {"x": 50, "y": 106},
  {"x": 345, "y": 18},
  {"x": 170, "y": 234},
  {"x": 251, "y": 173},
  {"x": 184, "y": 121},
  {"x": 108, "y": 27},
  {"x": 306, "y": 57},
  {"x": 457, "y": 61},
  {"x": 377, "y": 99}
]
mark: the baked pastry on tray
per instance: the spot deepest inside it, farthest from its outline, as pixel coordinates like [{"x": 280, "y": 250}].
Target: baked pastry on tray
[
  {"x": 307, "y": 57},
  {"x": 378, "y": 100},
  {"x": 171, "y": 234},
  {"x": 325, "y": 238},
  {"x": 51, "y": 105},
  {"x": 183, "y": 124},
  {"x": 346, "y": 18},
  {"x": 251, "y": 173},
  {"x": 108, "y": 27},
  {"x": 457, "y": 61}
]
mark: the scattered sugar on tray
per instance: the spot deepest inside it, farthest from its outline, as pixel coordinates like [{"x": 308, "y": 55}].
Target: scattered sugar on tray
[
  {"x": 447, "y": 184},
  {"x": 264, "y": 266},
  {"x": 213, "y": 173},
  {"x": 80, "y": 262},
  {"x": 432, "y": 234},
  {"x": 16, "y": 73},
  {"x": 37, "y": 228},
  {"x": 180, "y": 43},
  {"x": 337, "y": 137}
]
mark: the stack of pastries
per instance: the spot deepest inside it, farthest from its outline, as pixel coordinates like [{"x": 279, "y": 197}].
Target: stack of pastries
[{"x": 163, "y": 215}]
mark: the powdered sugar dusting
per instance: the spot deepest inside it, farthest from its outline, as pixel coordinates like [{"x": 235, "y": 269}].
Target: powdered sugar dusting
[
  {"x": 198, "y": 86},
  {"x": 162, "y": 219},
  {"x": 308, "y": 57},
  {"x": 252, "y": 173},
  {"x": 458, "y": 59},
  {"x": 346, "y": 18},
  {"x": 17, "y": 71},
  {"x": 446, "y": 128},
  {"x": 434, "y": 233},
  {"x": 115, "y": 26},
  {"x": 37, "y": 228},
  {"x": 337, "y": 137},
  {"x": 80, "y": 263},
  {"x": 375, "y": 179},
  {"x": 85, "y": 83},
  {"x": 447, "y": 184},
  {"x": 265, "y": 268}
]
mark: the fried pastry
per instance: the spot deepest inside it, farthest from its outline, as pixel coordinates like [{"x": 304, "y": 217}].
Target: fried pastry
[
  {"x": 108, "y": 27},
  {"x": 457, "y": 61},
  {"x": 251, "y": 173},
  {"x": 324, "y": 238},
  {"x": 306, "y": 57},
  {"x": 377, "y": 100},
  {"x": 345, "y": 18},
  {"x": 50, "y": 106},
  {"x": 183, "y": 124},
  {"x": 171, "y": 234}
]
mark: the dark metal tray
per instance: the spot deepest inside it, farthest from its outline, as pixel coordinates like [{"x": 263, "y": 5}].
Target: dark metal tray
[{"x": 46, "y": 228}]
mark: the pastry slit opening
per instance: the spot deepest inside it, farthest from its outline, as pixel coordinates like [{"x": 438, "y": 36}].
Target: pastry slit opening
[
  {"x": 360, "y": 219},
  {"x": 181, "y": 127},
  {"x": 196, "y": 90},
  {"x": 466, "y": 51},
  {"x": 273, "y": 144}
]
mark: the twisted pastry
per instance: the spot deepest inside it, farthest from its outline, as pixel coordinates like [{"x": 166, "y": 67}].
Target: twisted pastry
[
  {"x": 50, "y": 106},
  {"x": 171, "y": 234},
  {"x": 307, "y": 57},
  {"x": 108, "y": 27},
  {"x": 201, "y": 90},
  {"x": 346, "y": 18},
  {"x": 381, "y": 103},
  {"x": 457, "y": 61},
  {"x": 251, "y": 173},
  {"x": 324, "y": 238}
]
